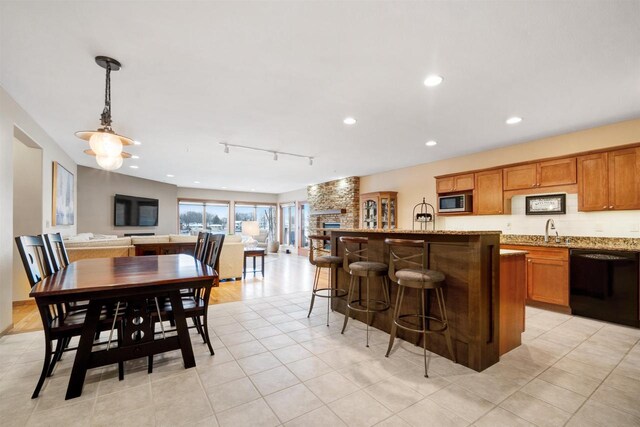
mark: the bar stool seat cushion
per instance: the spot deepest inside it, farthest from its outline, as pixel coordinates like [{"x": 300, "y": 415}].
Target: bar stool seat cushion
[
  {"x": 368, "y": 266},
  {"x": 328, "y": 259},
  {"x": 415, "y": 275}
]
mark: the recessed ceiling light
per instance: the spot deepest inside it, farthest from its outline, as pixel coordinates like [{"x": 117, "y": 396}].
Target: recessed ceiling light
[
  {"x": 431, "y": 143},
  {"x": 135, "y": 157},
  {"x": 349, "y": 121},
  {"x": 513, "y": 120},
  {"x": 433, "y": 80},
  {"x": 134, "y": 166},
  {"x": 137, "y": 143},
  {"x": 170, "y": 176},
  {"x": 224, "y": 188},
  {"x": 196, "y": 182},
  {"x": 253, "y": 189}
]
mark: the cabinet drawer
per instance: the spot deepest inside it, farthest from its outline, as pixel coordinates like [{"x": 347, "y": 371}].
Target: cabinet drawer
[{"x": 559, "y": 254}]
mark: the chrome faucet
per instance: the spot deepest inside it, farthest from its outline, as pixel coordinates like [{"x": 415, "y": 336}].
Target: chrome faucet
[{"x": 550, "y": 225}]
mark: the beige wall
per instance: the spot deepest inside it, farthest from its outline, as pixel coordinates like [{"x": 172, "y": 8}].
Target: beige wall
[
  {"x": 416, "y": 182},
  {"x": 293, "y": 196},
  {"x": 97, "y": 188},
  {"x": 14, "y": 122}
]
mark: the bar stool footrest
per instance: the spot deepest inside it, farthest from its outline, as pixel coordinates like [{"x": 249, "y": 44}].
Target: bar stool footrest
[
  {"x": 383, "y": 305},
  {"x": 421, "y": 331},
  {"x": 338, "y": 293}
]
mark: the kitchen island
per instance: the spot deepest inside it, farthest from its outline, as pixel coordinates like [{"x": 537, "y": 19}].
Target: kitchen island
[{"x": 470, "y": 261}]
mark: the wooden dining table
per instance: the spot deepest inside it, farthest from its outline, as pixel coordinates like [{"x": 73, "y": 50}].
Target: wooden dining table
[{"x": 132, "y": 282}]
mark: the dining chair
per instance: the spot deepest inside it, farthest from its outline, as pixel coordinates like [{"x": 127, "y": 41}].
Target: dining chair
[
  {"x": 57, "y": 251},
  {"x": 35, "y": 258},
  {"x": 59, "y": 324},
  {"x": 201, "y": 245},
  {"x": 196, "y": 305}
]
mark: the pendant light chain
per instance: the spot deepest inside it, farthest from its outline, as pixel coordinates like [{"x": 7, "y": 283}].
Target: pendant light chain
[{"x": 105, "y": 117}]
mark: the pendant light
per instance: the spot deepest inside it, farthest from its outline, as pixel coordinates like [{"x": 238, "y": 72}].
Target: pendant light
[{"x": 105, "y": 144}]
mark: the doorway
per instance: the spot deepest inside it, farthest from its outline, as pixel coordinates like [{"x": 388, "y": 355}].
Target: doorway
[
  {"x": 304, "y": 211},
  {"x": 27, "y": 204},
  {"x": 288, "y": 229}
]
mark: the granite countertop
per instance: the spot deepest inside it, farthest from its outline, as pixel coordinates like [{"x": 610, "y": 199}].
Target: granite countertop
[
  {"x": 512, "y": 252},
  {"x": 574, "y": 242},
  {"x": 449, "y": 232}
]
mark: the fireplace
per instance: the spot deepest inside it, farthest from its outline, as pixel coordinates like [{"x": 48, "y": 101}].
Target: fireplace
[{"x": 330, "y": 225}]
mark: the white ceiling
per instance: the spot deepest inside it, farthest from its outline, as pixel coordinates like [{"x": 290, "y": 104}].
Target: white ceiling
[{"x": 283, "y": 76}]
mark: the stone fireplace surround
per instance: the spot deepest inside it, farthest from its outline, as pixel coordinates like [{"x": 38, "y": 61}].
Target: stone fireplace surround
[{"x": 339, "y": 195}]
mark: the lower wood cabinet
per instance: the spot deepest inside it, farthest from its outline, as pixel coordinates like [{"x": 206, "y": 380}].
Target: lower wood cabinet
[{"x": 547, "y": 276}]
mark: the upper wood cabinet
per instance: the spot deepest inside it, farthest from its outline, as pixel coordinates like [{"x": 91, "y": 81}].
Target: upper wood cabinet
[
  {"x": 487, "y": 196},
  {"x": 609, "y": 181},
  {"x": 593, "y": 191},
  {"x": 541, "y": 174},
  {"x": 624, "y": 179},
  {"x": 449, "y": 184}
]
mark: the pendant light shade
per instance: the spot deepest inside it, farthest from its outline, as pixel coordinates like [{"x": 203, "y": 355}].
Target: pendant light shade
[
  {"x": 105, "y": 144},
  {"x": 109, "y": 163}
]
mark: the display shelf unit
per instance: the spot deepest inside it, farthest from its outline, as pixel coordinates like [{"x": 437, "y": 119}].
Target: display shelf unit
[{"x": 378, "y": 210}]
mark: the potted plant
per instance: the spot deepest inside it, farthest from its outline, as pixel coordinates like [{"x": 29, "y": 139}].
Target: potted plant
[{"x": 274, "y": 245}]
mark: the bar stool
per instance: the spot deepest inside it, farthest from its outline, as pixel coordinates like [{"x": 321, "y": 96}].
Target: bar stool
[
  {"x": 365, "y": 269},
  {"x": 417, "y": 278},
  {"x": 323, "y": 261}
]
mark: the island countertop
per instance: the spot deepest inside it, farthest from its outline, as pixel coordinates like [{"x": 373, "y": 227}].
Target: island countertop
[
  {"x": 470, "y": 261},
  {"x": 429, "y": 232}
]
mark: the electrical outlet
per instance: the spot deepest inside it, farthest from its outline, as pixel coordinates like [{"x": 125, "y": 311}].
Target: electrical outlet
[
  {"x": 47, "y": 224},
  {"x": 635, "y": 228},
  {"x": 599, "y": 227}
]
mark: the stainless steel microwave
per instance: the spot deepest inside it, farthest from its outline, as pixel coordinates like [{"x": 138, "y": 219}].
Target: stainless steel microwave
[{"x": 455, "y": 203}]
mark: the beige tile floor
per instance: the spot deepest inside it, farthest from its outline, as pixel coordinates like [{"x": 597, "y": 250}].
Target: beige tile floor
[{"x": 273, "y": 366}]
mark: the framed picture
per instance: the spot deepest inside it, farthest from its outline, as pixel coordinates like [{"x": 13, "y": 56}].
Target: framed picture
[
  {"x": 62, "y": 209},
  {"x": 546, "y": 204}
]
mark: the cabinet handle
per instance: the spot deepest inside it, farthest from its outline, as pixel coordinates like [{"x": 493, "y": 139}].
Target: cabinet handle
[
  {"x": 528, "y": 260},
  {"x": 533, "y": 185},
  {"x": 610, "y": 207},
  {"x": 604, "y": 207}
]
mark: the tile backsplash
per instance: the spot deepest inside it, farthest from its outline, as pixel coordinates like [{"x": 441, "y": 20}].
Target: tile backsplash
[{"x": 573, "y": 223}]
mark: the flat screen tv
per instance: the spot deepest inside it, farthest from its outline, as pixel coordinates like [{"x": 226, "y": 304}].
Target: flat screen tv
[{"x": 130, "y": 211}]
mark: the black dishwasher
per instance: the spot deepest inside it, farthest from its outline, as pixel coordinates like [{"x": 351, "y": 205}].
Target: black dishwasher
[{"x": 604, "y": 285}]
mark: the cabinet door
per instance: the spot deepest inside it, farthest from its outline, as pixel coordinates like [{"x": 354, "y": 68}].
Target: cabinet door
[
  {"x": 487, "y": 196},
  {"x": 445, "y": 185},
  {"x": 557, "y": 172},
  {"x": 463, "y": 182},
  {"x": 548, "y": 281},
  {"x": 624, "y": 179},
  {"x": 593, "y": 191},
  {"x": 520, "y": 177}
]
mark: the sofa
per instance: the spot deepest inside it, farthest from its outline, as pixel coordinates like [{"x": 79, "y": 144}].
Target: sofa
[{"x": 88, "y": 245}]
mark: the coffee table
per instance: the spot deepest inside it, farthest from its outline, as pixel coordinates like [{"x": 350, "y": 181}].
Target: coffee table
[{"x": 253, "y": 253}]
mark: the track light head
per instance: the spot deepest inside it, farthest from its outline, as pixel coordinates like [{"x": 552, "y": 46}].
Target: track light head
[
  {"x": 226, "y": 148},
  {"x": 275, "y": 155},
  {"x": 310, "y": 161}
]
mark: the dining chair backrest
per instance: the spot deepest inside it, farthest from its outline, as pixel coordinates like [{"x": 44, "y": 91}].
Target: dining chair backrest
[
  {"x": 57, "y": 251},
  {"x": 213, "y": 250},
  {"x": 201, "y": 245},
  {"x": 35, "y": 258}
]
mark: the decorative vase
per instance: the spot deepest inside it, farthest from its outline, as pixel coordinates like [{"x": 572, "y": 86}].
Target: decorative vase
[{"x": 273, "y": 246}]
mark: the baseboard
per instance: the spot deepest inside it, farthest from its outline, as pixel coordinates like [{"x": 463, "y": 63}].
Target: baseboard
[
  {"x": 551, "y": 307},
  {"x": 6, "y": 331},
  {"x": 24, "y": 302}
]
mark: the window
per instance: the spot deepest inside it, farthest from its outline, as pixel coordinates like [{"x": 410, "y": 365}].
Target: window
[
  {"x": 254, "y": 212},
  {"x": 192, "y": 213}
]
